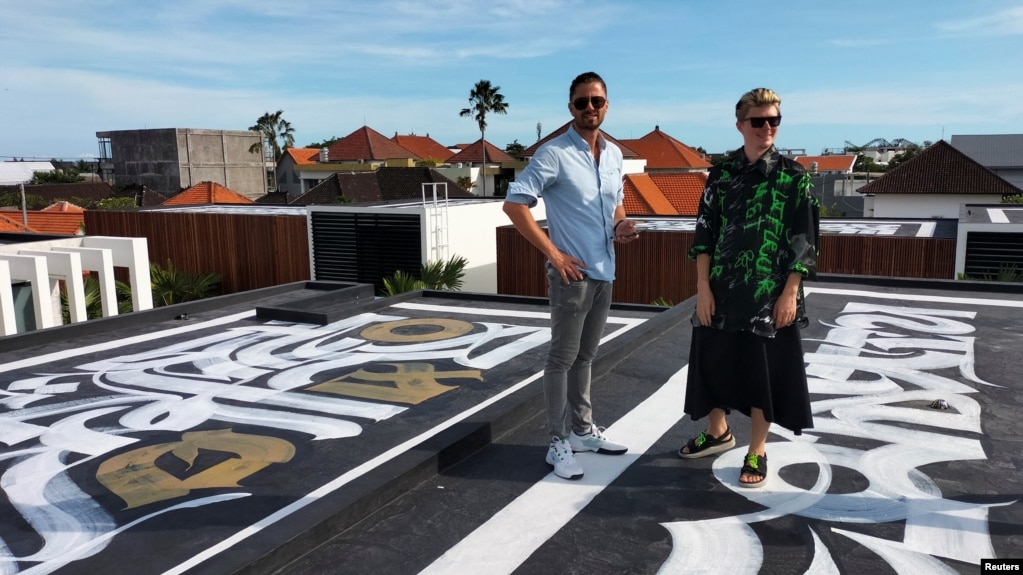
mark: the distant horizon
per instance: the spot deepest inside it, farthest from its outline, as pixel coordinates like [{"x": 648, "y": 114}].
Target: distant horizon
[
  {"x": 828, "y": 151},
  {"x": 909, "y": 70}
]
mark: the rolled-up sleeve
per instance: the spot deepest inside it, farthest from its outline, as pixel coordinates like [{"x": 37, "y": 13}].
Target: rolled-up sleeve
[{"x": 541, "y": 171}]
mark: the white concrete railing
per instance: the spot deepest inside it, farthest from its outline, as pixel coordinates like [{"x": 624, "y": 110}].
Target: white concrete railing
[{"x": 46, "y": 263}]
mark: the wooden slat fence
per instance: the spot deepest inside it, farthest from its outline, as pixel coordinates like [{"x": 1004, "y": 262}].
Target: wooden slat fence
[
  {"x": 656, "y": 266},
  {"x": 249, "y": 251},
  {"x": 255, "y": 251}
]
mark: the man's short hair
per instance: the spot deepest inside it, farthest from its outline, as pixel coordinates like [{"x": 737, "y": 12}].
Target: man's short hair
[
  {"x": 755, "y": 98},
  {"x": 585, "y": 78}
]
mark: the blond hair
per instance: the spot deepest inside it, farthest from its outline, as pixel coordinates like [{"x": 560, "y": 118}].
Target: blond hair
[{"x": 755, "y": 98}]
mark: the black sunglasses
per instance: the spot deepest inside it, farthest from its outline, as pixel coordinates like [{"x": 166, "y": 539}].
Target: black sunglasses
[
  {"x": 597, "y": 101},
  {"x": 758, "y": 122}
]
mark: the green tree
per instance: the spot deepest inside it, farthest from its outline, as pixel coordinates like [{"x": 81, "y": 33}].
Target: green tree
[
  {"x": 113, "y": 203},
  {"x": 866, "y": 164},
  {"x": 515, "y": 149},
  {"x": 1016, "y": 199},
  {"x": 32, "y": 201},
  {"x": 277, "y": 133},
  {"x": 68, "y": 176},
  {"x": 484, "y": 98},
  {"x": 902, "y": 157},
  {"x": 324, "y": 144}
]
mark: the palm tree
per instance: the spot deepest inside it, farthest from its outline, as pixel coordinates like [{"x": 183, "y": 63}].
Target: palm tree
[
  {"x": 275, "y": 131},
  {"x": 484, "y": 98}
]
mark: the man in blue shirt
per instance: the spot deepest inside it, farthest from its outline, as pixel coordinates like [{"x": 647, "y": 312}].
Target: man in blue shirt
[{"x": 579, "y": 176}]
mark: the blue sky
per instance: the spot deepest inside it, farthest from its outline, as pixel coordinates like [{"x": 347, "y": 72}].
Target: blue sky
[{"x": 846, "y": 71}]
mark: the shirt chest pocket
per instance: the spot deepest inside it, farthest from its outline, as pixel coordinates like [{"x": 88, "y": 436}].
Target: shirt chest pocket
[{"x": 610, "y": 178}]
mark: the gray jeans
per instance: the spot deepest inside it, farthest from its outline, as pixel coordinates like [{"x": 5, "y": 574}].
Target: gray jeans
[{"x": 578, "y": 314}]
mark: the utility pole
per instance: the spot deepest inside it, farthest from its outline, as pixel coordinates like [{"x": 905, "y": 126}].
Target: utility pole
[{"x": 24, "y": 209}]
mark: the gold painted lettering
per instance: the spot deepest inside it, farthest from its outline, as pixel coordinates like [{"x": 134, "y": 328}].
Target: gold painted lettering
[
  {"x": 414, "y": 331},
  {"x": 135, "y": 477},
  {"x": 413, "y": 383}
]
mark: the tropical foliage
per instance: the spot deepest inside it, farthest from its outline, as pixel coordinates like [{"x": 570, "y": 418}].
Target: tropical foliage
[
  {"x": 171, "y": 285},
  {"x": 93, "y": 299},
  {"x": 484, "y": 98},
  {"x": 401, "y": 282},
  {"x": 277, "y": 133},
  {"x": 436, "y": 275}
]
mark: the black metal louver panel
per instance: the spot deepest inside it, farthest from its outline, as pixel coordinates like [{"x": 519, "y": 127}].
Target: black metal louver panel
[
  {"x": 989, "y": 253},
  {"x": 365, "y": 248}
]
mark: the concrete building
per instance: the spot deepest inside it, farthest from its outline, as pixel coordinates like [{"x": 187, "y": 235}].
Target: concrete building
[{"x": 167, "y": 160}]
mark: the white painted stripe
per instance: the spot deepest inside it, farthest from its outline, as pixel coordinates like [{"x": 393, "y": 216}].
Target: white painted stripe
[
  {"x": 515, "y": 532},
  {"x": 997, "y": 216},
  {"x": 491, "y": 312},
  {"x": 926, "y": 230},
  {"x": 314, "y": 496},
  {"x": 473, "y": 310},
  {"x": 807, "y": 290},
  {"x": 118, "y": 343}
]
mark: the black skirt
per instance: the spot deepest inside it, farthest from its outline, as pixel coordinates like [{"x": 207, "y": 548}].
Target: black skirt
[{"x": 739, "y": 370}]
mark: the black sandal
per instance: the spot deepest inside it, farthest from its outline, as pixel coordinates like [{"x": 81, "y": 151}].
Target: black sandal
[
  {"x": 754, "y": 465},
  {"x": 704, "y": 444}
]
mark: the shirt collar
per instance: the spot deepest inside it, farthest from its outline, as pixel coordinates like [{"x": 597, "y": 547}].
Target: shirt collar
[
  {"x": 765, "y": 163},
  {"x": 579, "y": 141}
]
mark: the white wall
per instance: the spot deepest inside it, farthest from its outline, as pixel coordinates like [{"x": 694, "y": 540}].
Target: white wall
[
  {"x": 472, "y": 234},
  {"x": 633, "y": 166},
  {"x": 923, "y": 205}
]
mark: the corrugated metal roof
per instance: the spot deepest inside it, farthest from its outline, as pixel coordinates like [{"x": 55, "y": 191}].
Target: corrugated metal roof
[
  {"x": 992, "y": 150},
  {"x": 21, "y": 172}
]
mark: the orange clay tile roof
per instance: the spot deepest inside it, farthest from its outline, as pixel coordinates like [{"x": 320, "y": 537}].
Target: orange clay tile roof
[
  {"x": 11, "y": 222},
  {"x": 627, "y": 152},
  {"x": 473, "y": 154},
  {"x": 423, "y": 146},
  {"x": 834, "y": 163},
  {"x": 940, "y": 169},
  {"x": 682, "y": 189},
  {"x": 63, "y": 223},
  {"x": 642, "y": 197},
  {"x": 366, "y": 144},
  {"x": 662, "y": 151},
  {"x": 63, "y": 207},
  {"x": 303, "y": 156},
  {"x": 207, "y": 193}
]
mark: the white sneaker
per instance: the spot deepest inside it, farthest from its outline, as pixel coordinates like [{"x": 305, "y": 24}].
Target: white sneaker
[
  {"x": 595, "y": 441},
  {"x": 560, "y": 456}
]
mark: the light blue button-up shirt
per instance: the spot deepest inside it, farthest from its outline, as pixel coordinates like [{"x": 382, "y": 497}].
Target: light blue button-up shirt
[{"x": 580, "y": 198}]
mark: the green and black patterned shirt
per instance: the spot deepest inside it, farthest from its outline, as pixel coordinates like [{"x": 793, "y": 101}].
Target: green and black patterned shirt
[{"x": 758, "y": 222}]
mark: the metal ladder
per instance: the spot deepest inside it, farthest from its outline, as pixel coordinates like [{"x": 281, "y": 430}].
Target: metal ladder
[{"x": 437, "y": 218}]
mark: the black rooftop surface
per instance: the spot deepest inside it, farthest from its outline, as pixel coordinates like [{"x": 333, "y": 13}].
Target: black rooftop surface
[{"x": 405, "y": 435}]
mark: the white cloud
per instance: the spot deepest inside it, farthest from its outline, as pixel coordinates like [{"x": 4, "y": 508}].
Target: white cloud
[{"x": 1006, "y": 22}]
